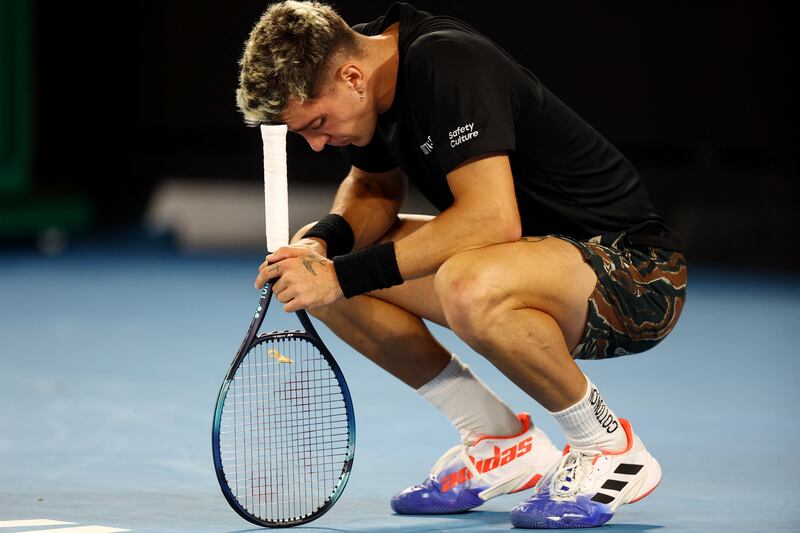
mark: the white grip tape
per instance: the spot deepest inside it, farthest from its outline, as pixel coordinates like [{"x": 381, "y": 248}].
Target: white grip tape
[{"x": 276, "y": 192}]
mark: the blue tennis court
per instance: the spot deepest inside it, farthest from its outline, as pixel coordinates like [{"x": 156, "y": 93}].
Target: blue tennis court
[{"x": 112, "y": 355}]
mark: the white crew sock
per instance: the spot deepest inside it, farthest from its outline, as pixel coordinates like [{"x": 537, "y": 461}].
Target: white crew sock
[
  {"x": 469, "y": 404},
  {"x": 590, "y": 425}
]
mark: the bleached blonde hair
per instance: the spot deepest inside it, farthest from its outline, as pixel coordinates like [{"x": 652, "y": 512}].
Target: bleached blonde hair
[{"x": 287, "y": 54}]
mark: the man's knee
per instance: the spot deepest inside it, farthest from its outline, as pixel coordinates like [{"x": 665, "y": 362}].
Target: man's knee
[{"x": 469, "y": 296}]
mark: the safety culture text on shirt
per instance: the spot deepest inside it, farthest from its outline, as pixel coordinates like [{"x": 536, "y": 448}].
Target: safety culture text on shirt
[{"x": 459, "y": 135}]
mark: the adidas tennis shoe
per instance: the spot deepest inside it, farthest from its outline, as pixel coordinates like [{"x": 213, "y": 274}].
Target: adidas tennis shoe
[
  {"x": 584, "y": 490},
  {"x": 471, "y": 473}
]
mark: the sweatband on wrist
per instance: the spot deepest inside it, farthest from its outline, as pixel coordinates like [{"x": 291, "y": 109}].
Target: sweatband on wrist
[
  {"x": 374, "y": 267},
  {"x": 336, "y": 232}
]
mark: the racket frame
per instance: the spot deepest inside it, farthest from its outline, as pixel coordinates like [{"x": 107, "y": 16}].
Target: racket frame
[{"x": 250, "y": 340}]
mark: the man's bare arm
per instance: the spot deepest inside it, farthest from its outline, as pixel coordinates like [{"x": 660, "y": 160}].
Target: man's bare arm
[
  {"x": 484, "y": 213},
  {"x": 370, "y": 203}
]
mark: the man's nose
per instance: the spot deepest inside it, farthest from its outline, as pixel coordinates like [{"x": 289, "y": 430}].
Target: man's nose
[{"x": 316, "y": 141}]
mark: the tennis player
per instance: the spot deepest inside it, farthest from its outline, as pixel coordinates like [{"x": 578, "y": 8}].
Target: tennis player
[{"x": 546, "y": 249}]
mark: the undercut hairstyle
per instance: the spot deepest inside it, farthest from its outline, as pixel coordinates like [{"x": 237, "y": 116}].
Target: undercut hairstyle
[{"x": 288, "y": 54}]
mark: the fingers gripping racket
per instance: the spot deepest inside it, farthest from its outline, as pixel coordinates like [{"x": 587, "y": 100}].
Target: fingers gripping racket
[{"x": 284, "y": 432}]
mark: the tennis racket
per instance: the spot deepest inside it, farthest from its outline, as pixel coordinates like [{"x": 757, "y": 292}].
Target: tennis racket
[{"x": 284, "y": 431}]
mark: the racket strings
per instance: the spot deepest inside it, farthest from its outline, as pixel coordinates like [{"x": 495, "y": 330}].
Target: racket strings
[{"x": 284, "y": 435}]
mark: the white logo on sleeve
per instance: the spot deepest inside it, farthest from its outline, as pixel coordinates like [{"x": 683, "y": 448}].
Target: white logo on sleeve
[
  {"x": 427, "y": 146},
  {"x": 461, "y": 134}
]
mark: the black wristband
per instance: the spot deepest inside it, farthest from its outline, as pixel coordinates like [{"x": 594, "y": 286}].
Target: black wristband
[
  {"x": 372, "y": 268},
  {"x": 336, "y": 232}
]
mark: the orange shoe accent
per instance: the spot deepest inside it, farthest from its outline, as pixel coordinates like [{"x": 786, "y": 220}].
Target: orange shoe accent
[
  {"x": 626, "y": 426},
  {"x": 530, "y": 484},
  {"x": 455, "y": 479},
  {"x": 628, "y": 434}
]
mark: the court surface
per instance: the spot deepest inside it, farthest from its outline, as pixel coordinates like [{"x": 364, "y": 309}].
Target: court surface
[{"x": 111, "y": 358}]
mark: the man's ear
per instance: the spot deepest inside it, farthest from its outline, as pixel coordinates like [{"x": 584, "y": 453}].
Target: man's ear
[{"x": 353, "y": 75}]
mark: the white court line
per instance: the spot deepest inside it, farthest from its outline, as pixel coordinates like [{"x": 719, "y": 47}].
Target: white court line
[
  {"x": 81, "y": 529},
  {"x": 32, "y": 523}
]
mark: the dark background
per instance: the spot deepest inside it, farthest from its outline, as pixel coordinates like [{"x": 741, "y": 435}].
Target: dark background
[{"x": 699, "y": 96}]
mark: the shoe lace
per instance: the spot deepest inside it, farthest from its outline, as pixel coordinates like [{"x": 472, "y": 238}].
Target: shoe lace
[{"x": 570, "y": 474}]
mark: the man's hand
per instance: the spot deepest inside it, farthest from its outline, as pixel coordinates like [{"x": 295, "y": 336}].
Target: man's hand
[{"x": 307, "y": 279}]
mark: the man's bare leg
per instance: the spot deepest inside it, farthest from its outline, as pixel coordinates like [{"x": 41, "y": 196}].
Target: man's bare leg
[
  {"x": 523, "y": 306},
  {"x": 395, "y": 339},
  {"x": 387, "y": 327}
]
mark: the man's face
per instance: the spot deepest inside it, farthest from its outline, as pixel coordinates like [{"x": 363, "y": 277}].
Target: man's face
[{"x": 337, "y": 117}]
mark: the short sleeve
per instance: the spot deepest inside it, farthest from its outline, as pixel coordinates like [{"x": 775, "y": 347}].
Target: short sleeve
[
  {"x": 373, "y": 157},
  {"x": 461, "y": 91}
]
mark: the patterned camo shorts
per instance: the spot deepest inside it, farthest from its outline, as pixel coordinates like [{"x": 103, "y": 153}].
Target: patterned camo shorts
[{"x": 638, "y": 299}]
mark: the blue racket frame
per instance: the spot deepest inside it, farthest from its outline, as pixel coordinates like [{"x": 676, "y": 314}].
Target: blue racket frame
[{"x": 252, "y": 339}]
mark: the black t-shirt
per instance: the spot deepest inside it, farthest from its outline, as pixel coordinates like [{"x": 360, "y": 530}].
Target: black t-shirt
[{"x": 460, "y": 95}]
